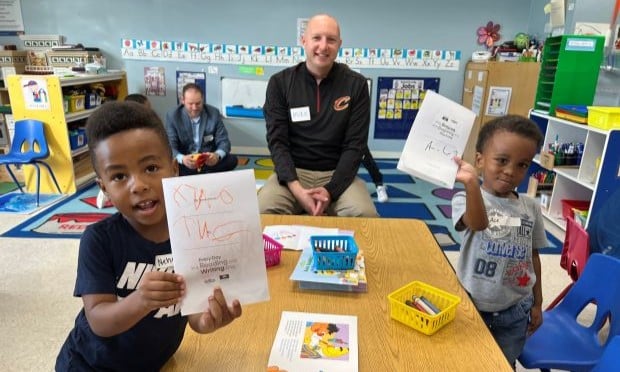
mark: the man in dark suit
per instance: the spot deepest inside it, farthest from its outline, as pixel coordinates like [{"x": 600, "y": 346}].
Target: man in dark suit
[{"x": 197, "y": 135}]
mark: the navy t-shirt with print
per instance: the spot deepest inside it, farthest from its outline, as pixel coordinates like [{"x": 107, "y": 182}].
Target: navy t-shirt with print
[{"x": 113, "y": 258}]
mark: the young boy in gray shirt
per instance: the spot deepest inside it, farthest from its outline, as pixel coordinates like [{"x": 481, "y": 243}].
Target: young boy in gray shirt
[{"x": 501, "y": 232}]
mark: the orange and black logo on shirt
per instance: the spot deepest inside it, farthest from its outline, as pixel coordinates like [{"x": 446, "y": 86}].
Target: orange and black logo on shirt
[{"x": 341, "y": 103}]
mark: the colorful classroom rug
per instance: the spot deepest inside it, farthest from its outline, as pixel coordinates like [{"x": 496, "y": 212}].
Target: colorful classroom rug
[{"x": 409, "y": 198}]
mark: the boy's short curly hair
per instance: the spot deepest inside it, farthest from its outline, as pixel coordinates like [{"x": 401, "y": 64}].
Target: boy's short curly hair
[
  {"x": 115, "y": 117},
  {"x": 509, "y": 123},
  {"x": 137, "y": 97}
]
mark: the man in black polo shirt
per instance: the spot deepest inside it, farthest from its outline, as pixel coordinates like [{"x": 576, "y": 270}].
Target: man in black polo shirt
[{"x": 317, "y": 115}]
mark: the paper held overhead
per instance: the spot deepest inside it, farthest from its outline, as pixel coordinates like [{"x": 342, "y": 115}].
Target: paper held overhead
[{"x": 439, "y": 133}]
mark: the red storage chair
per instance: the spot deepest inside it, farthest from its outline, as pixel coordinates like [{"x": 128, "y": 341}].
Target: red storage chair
[{"x": 575, "y": 253}]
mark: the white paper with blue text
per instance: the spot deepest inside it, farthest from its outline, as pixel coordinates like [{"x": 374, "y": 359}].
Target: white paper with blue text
[
  {"x": 439, "y": 132},
  {"x": 216, "y": 237}
]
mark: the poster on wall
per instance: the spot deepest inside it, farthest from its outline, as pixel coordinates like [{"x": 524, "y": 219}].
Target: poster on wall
[
  {"x": 11, "y": 21},
  {"x": 476, "y": 102},
  {"x": 155, "y": 81},
  {"x": 499, "y": 101},
  {"x": 35, "y": 94},
  {"x": 398, "y": 102},
  {"x": 302, "y": 23},
  {"x": 186, "y": 77}
]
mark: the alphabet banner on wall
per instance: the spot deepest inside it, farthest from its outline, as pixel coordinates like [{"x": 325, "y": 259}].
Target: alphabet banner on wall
[
  {"x": 398, "y": 103},
  {"x": 265, "y": 55}
]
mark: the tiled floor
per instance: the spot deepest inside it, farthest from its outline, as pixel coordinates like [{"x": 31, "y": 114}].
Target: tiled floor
[{"x": 37, "y": 308}]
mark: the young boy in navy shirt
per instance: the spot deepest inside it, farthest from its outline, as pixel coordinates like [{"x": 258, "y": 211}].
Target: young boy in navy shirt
[{"x": 131, "y": 317}]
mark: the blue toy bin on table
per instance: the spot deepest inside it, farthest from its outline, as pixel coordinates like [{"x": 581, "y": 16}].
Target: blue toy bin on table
[{"x": 333, "y": 252}]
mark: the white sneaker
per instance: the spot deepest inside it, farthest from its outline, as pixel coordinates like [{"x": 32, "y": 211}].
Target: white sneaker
[
  {"x": 382, "y": 195},
  {"x": 101, "y": 199}
]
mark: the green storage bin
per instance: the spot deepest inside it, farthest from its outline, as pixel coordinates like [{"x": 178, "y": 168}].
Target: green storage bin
[{"x": 569, "y": 71}]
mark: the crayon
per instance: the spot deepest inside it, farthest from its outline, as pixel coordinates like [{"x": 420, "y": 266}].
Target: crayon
[
  {"x": 416, "y": 306},
  {"x": 427, "y": 309},
  {"x": 430, "y": 304}
]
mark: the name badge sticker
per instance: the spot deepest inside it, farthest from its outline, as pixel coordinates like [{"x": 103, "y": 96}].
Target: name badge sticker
[
  {"x": 299, "y": 114},
  {"x": 208, "y": 138},
  {"x": 164, "y": 262}
]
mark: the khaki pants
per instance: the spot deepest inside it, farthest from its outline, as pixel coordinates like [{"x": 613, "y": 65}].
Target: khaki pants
[{"x": 274, "y": 198}]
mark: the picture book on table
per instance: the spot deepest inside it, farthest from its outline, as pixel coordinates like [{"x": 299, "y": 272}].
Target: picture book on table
[
  {"x": 309, "y": 277},
  {"x": 314, "y": 342}
]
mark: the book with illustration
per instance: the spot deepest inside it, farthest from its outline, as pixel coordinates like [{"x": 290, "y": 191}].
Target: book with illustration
[
  {"x": 315, "y": 342},
  {"x": 309, "y": 277}
]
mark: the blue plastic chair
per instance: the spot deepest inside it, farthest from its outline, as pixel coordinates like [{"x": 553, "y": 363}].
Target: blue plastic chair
[
  {"x": 610, "y": 361},
  {"x": 561, "y": 342},
  {"x": 28, "y": 147}
]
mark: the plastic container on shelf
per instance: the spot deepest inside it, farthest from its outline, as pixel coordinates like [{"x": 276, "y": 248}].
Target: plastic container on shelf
[
  {"x": 77, "y": 139},
  {"x": 604, "y": 117},
  {"x": 333, "y": 252},
  {"x": 568, "y": 207},
  {"x": 416, "y": 319},
  {"x": 273, "y": 251}
]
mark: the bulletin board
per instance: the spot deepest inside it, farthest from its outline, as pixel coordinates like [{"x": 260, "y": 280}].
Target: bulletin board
[
  {"x": 243, "y": 97},
  {"x": 398, "y": 102},
  {"x": 186, "y": 77}
]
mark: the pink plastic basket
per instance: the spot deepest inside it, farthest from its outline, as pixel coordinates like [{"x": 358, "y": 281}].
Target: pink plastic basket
[{"x": 273, "y": 250}]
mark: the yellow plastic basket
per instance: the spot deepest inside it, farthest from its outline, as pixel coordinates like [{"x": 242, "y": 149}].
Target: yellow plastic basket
[
  {"x": 414, "y": 318},
  {"x": 604, "y": 117}
]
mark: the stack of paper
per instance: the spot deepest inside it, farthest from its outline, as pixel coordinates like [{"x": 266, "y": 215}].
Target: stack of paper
[
  {"x": 297, "y": 237},
  {"x": 315, "y": 342}
]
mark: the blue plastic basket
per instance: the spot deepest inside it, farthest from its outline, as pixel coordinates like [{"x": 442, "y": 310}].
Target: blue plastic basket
[{"x": 333, "y": 252}]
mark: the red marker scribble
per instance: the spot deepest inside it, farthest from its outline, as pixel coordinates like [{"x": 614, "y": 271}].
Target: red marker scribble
[
  {"x": 187, "y": 195},
  {"x": 199, "y": 229}
]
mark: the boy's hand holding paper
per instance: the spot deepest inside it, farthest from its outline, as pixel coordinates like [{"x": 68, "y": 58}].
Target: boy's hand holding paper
[{"x": 439, "y": 133}]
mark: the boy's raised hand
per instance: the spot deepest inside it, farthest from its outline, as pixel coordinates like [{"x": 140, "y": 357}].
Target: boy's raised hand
[
  {"x": 466, "y": 172},
  {"x": 218, "y": 315}
]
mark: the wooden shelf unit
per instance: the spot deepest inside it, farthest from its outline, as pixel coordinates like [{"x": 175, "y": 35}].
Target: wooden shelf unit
[
  {"x": 72, "y": 167},
  {"x": 521, "y": 77}
]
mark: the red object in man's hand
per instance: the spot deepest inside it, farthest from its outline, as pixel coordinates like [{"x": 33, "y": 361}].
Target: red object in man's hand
[{"x": 200, "y": 159}]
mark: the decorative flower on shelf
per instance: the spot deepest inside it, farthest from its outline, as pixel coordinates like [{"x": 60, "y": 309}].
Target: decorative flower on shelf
[{"x": 488, "y": 34}]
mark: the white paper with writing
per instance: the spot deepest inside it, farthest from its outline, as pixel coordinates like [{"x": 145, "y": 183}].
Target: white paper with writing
[
  {"x": 439, "y": 132},
  {"x": 216, "y": 237}
]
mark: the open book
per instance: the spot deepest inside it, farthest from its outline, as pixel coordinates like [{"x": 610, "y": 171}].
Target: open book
[
  {"x": 439, "y": 133},
  {"x": 315, "y": 342}
]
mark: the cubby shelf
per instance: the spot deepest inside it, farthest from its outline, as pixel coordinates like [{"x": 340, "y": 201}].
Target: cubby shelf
[
  {"x": 588, "y": 181},
  {"x": 72, "y": 167}
]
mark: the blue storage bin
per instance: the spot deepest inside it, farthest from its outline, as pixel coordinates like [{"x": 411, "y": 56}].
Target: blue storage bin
[
  {"x": 333, "y": 252},
  {"x": 90, "y": 100},
  {"x": 77, "y": 139},
  {"x": 237, "y": 111}
]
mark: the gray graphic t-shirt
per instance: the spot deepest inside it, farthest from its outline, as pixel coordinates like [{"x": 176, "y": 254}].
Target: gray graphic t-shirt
[{"x": 495, "y": 265}]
